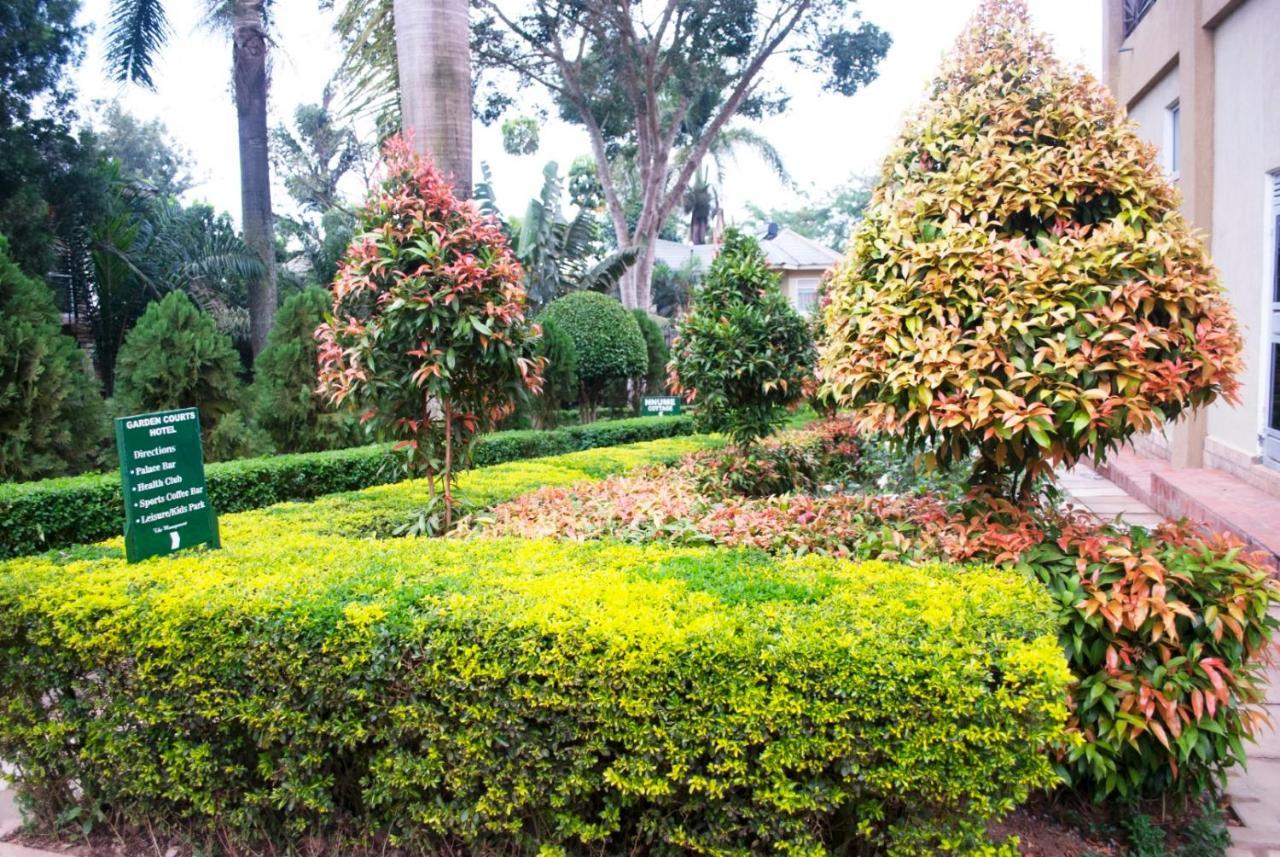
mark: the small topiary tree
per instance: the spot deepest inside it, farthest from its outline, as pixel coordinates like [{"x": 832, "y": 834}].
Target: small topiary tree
[
  {"x": 286, "y": 402},
  {"x": 52, "y": 419},
  {"x": 1023, "y": 287},
  {"x": 658, "y": 355},
  {"x": 428, "y": 336},
  {"x": 606, "y": 339},
  {"x": 174, "y": 357},
  {"x": 559, "y": 374},
  {"x": 744, "y": 354}
]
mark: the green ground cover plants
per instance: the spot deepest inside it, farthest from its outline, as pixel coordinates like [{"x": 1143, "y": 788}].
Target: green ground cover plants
[{"x": 1165, "y": 632}]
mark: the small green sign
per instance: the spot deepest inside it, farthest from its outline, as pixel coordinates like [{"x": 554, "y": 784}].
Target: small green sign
[
  {"x": 162, "y": 473},
  {"x": 659, "y": 406}
]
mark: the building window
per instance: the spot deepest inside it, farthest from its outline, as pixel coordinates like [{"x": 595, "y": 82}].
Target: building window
[
  {"x": 1172, "y": 138},
  {"x": 807, "y": 295},
  {"x": 1271, "y": 428},
  {"x": 1133, "y": 12}
]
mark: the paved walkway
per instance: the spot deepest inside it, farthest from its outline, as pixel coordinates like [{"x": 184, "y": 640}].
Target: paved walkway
[
  {"x": 1255, "y": 791},
  {"x": 1097, "y": 494}
]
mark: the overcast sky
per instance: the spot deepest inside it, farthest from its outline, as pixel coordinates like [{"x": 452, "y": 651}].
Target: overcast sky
[{"x": 823, "y": 138}]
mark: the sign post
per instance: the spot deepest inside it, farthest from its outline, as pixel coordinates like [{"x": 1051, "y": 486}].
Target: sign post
[
  {"x": 659, "y": 406},
  {"x": 162, "y": 475}
]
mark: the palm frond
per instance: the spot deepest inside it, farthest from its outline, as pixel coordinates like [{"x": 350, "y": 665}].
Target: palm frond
[
  {"x": 368, "y": 72},
  {"x": 580, "y": 235},
  {"x": 605, "y": 274},
  {"x": 137, "y": 32},
  {"x": 486, "y": 199},
  {"x": 730, "y": 140}
]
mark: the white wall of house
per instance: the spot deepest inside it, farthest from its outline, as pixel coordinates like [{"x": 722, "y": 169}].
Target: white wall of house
[{"x": 1246, "y": 156}]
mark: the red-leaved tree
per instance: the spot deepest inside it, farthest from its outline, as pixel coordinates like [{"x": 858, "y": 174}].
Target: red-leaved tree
[{"x": 428, "y": 338}]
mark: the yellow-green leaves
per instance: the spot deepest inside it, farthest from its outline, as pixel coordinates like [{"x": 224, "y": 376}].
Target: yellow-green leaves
[{"x": 527, "y": 695}]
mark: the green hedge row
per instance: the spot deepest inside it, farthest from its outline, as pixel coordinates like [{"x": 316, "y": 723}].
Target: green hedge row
[
  {"x": 525, "y": 697},
  {"x": 54, "y": 513}
]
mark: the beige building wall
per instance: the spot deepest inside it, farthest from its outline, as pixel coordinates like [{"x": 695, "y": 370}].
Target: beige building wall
[
  {"x": 796, "y": 282},
  {"x": 1220, "y": 60},
  {"x": 1246, "y": 132},
  {"x": 1150, "y": 111}
]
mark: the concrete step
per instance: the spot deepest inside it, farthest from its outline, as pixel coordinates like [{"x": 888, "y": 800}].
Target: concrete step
[{"x": 1209, "y": 497}]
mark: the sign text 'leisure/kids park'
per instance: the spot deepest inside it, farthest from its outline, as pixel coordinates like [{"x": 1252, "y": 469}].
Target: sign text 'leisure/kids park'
[{"x": 166, "y": 506}]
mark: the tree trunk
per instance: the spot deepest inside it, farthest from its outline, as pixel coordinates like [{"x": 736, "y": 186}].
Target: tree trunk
[
  {"x": 698, "y": 225},
  {"x": 433, "y": 54},
  {"x": 249, "y": 63},
  {"x": 642, "y": 271}
]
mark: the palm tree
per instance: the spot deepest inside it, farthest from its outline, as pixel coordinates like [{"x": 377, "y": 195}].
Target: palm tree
[
  {"x": 433, "y": 60},
  {"x": 145, "y": 246},
  {"x": 138, "y": 31},
  {"x": 700, "y": 202},
  {"x": 702, "y": 199}
]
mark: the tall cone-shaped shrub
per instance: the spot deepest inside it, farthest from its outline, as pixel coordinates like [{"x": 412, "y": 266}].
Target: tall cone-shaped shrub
[{"x": 1023, "y": 285}]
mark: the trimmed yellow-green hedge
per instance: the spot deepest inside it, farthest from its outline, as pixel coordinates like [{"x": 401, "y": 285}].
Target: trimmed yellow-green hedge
[
  {"x": 529, "y": 694},
  {"x": 524, "y": 696}
]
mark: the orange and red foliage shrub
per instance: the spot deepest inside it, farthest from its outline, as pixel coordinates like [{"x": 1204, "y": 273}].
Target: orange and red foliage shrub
[
  {"x": 1023, "y": 285},
  {"x": 428, "y": 337}
]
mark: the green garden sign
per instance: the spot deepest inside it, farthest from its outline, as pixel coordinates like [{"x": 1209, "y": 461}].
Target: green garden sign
[
  {"x": 659, "y": 406},
  {"x": 166, "y": 506}
]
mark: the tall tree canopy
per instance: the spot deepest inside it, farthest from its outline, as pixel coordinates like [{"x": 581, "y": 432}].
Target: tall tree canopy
[
  {"x": 145, "y": 150},
  {"x": 312, "y": 158},
  {"x": 48, "y": 176},
  {"x": 669, "y": 75},
  {"x": 654, "y": 78},
  {"x": 315, "y": 155}
]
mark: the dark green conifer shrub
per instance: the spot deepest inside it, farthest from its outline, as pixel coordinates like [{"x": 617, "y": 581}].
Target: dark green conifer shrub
[
  {"x": 654, "y": 380},
  {"x": 744, "y": 354},
  {"x": 236, "y": 436},
  {"x": 285, "y": 402},
  {"x": 559, "y": 376},
  {"x": 175, "y": 358},
  {"x": 52, "y": 419}
]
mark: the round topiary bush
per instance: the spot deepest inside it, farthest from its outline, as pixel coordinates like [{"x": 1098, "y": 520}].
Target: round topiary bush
[
  {"x": 174, "y": 357},
  {"x": 744, "y": 354},
  {"x": 606, "y": 339},
  {"x": 285, "y": 398},
  {"x": 52, "y": 419},
  {"x": 1023, "y": 287}
]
